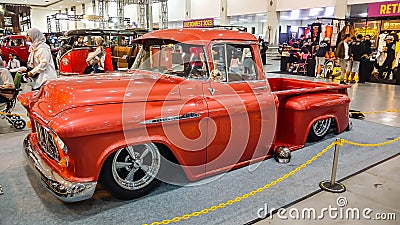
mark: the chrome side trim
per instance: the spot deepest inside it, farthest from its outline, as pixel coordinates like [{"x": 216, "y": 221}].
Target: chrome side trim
[
  {"x": 171, "y": 118},
  {"x": 62, "y": 189}
]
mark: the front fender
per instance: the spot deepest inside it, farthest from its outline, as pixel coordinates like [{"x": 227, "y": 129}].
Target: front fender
[{"x": 93, "y": 133}]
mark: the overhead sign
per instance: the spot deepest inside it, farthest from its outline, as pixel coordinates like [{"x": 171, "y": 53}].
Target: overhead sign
[
  {"x": 8, "y": 21},
  {"x": 379, "y": 9},
  {"x": 391, "y": 25},
  {"x": 200, "y": 23},
  {"x": 61, "y": 16}
]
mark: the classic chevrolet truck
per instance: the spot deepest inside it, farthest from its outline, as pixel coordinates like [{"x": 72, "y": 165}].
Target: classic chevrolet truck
[{"x": 195, "y": 101}]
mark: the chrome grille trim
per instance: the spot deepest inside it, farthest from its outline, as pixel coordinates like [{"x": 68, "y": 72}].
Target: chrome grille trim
[{"x": 46, "y": 142}]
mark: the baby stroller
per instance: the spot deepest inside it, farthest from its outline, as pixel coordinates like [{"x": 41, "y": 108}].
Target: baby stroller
[
  {"x": 6, "y": 107},
  {"x": 301, "y": 66}
]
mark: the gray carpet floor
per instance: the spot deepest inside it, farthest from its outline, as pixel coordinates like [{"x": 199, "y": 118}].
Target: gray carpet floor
[{"x": 25, "y": 201}]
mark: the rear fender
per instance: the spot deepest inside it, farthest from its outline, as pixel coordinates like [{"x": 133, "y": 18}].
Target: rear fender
[{"x": 322, "y": 117}]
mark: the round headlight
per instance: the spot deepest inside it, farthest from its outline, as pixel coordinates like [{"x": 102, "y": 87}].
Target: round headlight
[{"x": 65, "y": 62}]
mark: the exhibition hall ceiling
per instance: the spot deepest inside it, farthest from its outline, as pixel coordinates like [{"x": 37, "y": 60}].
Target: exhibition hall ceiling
[{"x": 50, "y": 4}]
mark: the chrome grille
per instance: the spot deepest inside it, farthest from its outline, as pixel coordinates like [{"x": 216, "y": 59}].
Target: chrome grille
[{"x": 46, "y": 142}]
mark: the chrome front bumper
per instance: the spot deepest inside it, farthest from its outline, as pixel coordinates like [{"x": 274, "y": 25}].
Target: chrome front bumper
[{"x": 64, "y": 190}]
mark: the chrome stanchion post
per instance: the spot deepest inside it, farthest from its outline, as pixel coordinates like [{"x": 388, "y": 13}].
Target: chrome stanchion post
[
  {"x": 335, "y": 161},
  {"x": 332, "y": 185},
  {"x": 1, "y": 190}
]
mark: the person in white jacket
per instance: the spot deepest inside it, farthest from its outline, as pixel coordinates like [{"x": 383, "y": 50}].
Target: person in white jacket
[{"x": 40, "y": 59}]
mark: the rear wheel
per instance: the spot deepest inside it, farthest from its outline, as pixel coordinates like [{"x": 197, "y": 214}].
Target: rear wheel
[
  {"x": 131, "y": 171},
  {"x": 319, "y": 129}
]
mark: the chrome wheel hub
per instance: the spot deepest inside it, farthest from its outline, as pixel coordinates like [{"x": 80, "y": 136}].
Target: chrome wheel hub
[
  {"x": 321, "y": 127},
  {"x": 135, "y": 167}
]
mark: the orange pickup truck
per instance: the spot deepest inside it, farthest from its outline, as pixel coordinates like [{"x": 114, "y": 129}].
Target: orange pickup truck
[{"x": 195, "y": 100}]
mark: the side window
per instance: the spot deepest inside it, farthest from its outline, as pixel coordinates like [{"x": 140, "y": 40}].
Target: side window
[
  {"x": 235, "y": 61},
  {"x": 219, "y": 59},
  {"x": 16, "y": 43},
  {"x": 180, "y": 59},
  {"x": 19, "y": 42}
]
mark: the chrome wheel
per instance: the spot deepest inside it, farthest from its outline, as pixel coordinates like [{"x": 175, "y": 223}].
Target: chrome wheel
[
  {"x": 321, "y": 127},
  {"x": 135, "y": 167}
]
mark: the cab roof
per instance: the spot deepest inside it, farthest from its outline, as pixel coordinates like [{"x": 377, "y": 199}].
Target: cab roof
[
  {"x": 15, "y": 36},
  {"x": 203, "y": 35}
]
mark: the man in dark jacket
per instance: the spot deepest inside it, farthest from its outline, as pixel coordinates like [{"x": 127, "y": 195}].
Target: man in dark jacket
[
  {"x": 390, "y": 56},
  {"x": 367, "y": 44},
  {"x": 263, "y": 51},
  {"x": 357, "y": 50}
]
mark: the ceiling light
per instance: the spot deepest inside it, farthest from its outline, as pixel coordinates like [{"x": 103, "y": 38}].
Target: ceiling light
[
  {"x": 315, "y": 11},
  {"x": 305, "y": 18},
  {"x": 61, "y": 6},
  {"x": 294, "y": 28},
  {"x": 329, "y": 11},
  {"x": 363, "y": 14},
  {"x": 242, "y": 19},
  {"x": 260, "y": 14},
  {"x": 295, "y": 14},
  {"x": 263, "y": 21},
  {"x": 78, "y": 1}
]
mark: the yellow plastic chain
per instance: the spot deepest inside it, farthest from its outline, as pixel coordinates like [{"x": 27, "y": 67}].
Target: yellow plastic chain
[
  {"x": 12, "y": 114},
  {"x": 382, "y": 111},
  {"x": 204, "y": 211}
]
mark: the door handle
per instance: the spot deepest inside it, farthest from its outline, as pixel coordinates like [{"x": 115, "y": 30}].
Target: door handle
[
  {"x": 212, "y": 91},
  {"x": 260, "y": 88}
]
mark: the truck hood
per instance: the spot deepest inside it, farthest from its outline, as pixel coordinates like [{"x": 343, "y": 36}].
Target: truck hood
[{"x": 60, "y": 95}]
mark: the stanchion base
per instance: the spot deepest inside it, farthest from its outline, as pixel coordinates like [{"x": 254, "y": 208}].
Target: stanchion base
[{"x": 337, "y": 188}]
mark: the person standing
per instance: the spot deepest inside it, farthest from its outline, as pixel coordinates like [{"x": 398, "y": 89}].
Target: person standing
[
  {"x": 366, "y": 66},
  {"x": 342, "y": 52},
  {"x": 367, "y": 44},
  {"x": 390, "y": 57},
  {"x": 263, "y": 51},
  {"x": 357, "y": 50},
  {"x": 40, "y": 59},
  {"x": 324, "y": 49}
]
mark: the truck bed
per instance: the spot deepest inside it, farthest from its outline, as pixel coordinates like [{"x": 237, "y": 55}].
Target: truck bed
[
  {"x": 283, "y": 87},
  {"x": 300, "y": 103}
]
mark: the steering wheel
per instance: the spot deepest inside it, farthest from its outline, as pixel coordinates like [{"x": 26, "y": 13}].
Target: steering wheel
[{"x": 216, "y": 75}]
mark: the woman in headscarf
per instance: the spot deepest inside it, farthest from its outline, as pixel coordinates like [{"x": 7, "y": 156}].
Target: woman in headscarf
[{"x": 40, "y": 59}]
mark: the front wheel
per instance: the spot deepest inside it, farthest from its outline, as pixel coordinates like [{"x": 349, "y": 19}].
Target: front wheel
[
  {"x": 319, "y": 129},
  {"x": 131, "y": 171}
]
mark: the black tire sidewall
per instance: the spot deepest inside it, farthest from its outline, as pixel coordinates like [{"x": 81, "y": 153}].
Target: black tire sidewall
[{"x": 107, "y": 179}]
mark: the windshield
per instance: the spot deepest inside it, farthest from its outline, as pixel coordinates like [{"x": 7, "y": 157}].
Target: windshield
[{"x": 184, "y": 60}]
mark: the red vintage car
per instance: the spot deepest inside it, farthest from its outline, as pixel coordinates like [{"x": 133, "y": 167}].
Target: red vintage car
[
  {"x": 77, "y": 44},
  {"x": 17, "y": 45},
  {"x": 195, "y": 101}
]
